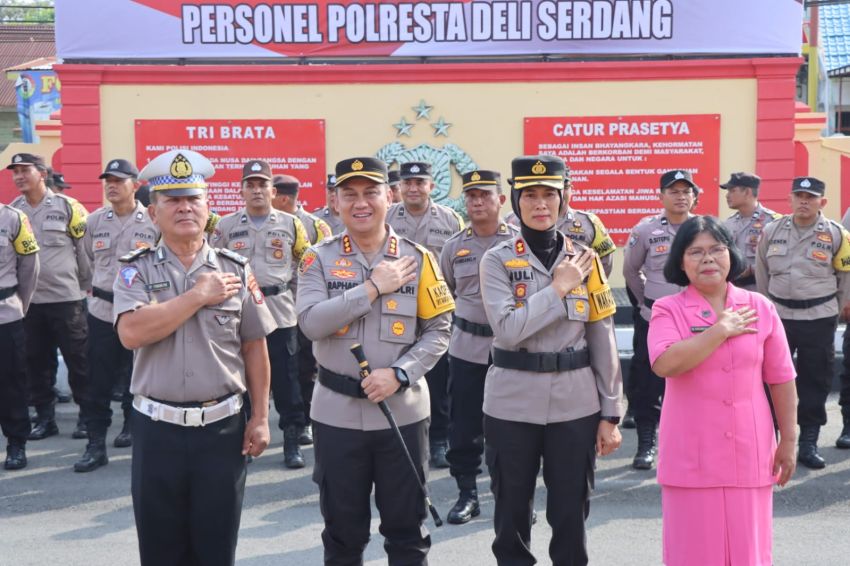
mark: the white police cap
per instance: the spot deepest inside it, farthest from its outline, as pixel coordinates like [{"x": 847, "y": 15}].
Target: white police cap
[{"x": 178, "y": 173}]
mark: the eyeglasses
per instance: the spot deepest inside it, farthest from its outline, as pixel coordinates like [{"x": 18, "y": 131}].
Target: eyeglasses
[{"x": 698, "y": 254}]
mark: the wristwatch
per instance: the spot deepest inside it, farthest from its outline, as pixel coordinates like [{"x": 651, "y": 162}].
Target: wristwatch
[
  {"x": 612, "y": 420},
  {"x": 402, "y": 378}
]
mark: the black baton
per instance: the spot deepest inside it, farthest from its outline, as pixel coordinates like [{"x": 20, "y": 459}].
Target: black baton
[{"x": 365, "y": 370}]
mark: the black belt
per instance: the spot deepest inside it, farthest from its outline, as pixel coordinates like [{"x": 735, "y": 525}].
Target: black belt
[
  {"x": 342, "y": 384},
  {"x": 8, "y": 292},
  {"x": 649, "y": 302},
  {"x": 744, "y": 281},
  {"x": 103, "y": 294},
  {"x": 474, "y": 327},
  {"x": 802, "y": 304},
  {"x": 541, "y": 362},
  {"x": 273, "y": 290}
]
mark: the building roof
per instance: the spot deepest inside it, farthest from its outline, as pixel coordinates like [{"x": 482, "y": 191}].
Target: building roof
[
  {"x": 834, "y": 31},
  {"x": 21, "y": 44}
]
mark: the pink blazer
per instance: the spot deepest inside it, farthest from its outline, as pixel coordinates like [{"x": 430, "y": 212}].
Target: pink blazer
[{"x": 716, "y": 429}]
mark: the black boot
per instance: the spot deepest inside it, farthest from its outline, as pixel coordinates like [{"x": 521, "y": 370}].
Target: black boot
[
  {"x": 95, "y": 454},
  {"x": 305, "y": 436},
  {"x": 81, "y": 430},
  {"x": 439, "y": 451},
  {"x": 292, "y": 457},
  {"x": 808, "y": 454},
  {"x": 16, "y": 456},
  {"x": 844, "y": 439},
  {"x": 45, "y": 423},
  {"x": 628, "y": 420},
  {"x": 124, "y": 438},
  {"x": 646, "y": 446},
  {"x": 466, "y": 507}
]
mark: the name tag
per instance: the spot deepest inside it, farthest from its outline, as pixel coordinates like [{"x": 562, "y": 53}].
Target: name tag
[
  {"x": 698, "y": 329},
  {"x": 154, "y": 287}
]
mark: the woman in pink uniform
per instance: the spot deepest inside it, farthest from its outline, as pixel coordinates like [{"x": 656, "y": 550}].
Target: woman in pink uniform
[{"x": 718, "y": 345}]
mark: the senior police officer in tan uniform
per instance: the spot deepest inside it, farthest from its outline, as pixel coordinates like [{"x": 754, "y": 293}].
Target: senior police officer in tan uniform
[
  {"x": 554, "y": 391},
  {"x": 273, "y": 241},
  {"x": 56, "y": 316},
  {"x": 18, "y": 275},
  {"x": 643, "y": 269},
  {"x": 843, "y": 440},
  {"x": 371, "y": 286},
  {"x": 748, "y": 222},
  {"x": 428, "y": 224},
  {"x": 198, "y": 321},
  {"x": 469, "y": 349},
  {"x": 803, "y": 264},
  {"x": 120, "y": 227},
  {"x": 329, "y": 213}
]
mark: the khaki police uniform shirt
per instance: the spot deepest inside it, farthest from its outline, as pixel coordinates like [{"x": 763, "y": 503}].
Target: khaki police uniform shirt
[
  {"x": 316, "y": 228},
  {"x": 408, "y": 329},
  {"x": 202, "y": 360},
  {"x": 459, "y": 261},
  {"x": 526, "y": 313},
  {"x": 273, "y": 249},
  {"x": 747, "y": 231},
  {"x": 804, "y": 263},
  {"x": 59, "y": 225},
  {"x": 107, "y": 238},
  {"x": 333, "y": 221},
  {"x": 432, "y": 229},
  {"x": 646, "y": 254},
  {"x": 19, "y": 264}
]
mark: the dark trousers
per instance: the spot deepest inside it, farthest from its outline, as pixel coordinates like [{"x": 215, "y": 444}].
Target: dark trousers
[
  {"x": 14, "y": 417},
  {"x": 110, "y": 364},
  {"x": 844, "y": 396},
  {"x": 812, "y": 342},
  {"x": 466, "y": 436},
  {"x": 47, "y": 326},
  {"x": 286, "y": 390},
  {"x": 438, "y": 386},
  {"x": 187, "y": 485},
  {"x": 645, "y": 390},
  {"x": 348, "y": 463},
  {"x": 513, "y": 451},
  {"x": 307, "y": 370}
]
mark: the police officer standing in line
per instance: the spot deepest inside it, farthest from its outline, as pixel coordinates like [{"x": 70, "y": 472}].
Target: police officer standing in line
[
  {"x": 393, "y": 180},
  {"x": 286, "y": 199},
  {"x": 469, "y": 349},
  {"x": 803, "y": 264},
  {"x": 18, "y": 275},
  {"x": 643, "y": 269},
  {"x": 56, "y": 316},
  {"x": 273, "y": 242},
  {"x": 59, "y": 183},
  {"x": 554, "y": 391},
  {"x": 113, "y": 231},
  {"x": 428, "y": 224},
  {"x": 747, "y": 224},
  {"x": 329, "y": 213},
  {"x": 373, "y": 287},
  {"x": 198, "y": 321}
]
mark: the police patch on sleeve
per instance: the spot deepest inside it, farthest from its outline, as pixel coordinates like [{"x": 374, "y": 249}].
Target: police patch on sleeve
[
  {"x": 77, "y": 224},
  {"x": 25, "y": 243},
  {"x": 308, "y": 259},
  {"x": 128, "y": 275}
]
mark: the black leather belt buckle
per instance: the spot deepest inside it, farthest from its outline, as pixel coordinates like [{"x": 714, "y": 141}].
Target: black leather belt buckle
[{"x": 548, "y": 363}]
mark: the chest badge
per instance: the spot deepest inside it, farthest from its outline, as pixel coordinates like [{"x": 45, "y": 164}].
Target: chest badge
[
  {"x": 222, "y": 319},
  {"x": 342, "y": 262},
  {"x": 521, "y": 290},
  {"x": 392, "y": 304},
  {"x": 463, "y": 252},
  {"x": 398, "y": 328},
  {"x": 343, "y": 273}
]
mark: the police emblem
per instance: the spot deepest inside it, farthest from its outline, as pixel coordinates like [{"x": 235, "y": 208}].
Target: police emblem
[
  {"x": 819, "y": 255},
  {"x": 277, "y": 254},
  {"x": 306, "y": 261},
  {"x": 392, "y": 304},
  {"x": 98, "y": 245},
  {"x": 238, "y": 245},
  {"x": 140, "y": 244},
  {"x": 256, "y": 167},
  {"x": 825, "y": 237},
  {"x": 180, "y": 167},
  {"x": 516, "y": 263},
  {"x": 580, "y": 308},
  {"x": 343, "y": 273},
  {"x": 357, "y": 165},
  {"x": 277, "y": 243},
  {"x": 475, "y": 177},
  {"x": 679, "y": 175},
  {"x": 519, "y": 247},
  {"x": 398, "y": 328},
  {"x": 128, "y": 275},
  {"x": 538, "y": 168},
  {"x": 520, "y": 290},
  {"x": 462, "y": 252},
  {"x": 342, "y": 262}
]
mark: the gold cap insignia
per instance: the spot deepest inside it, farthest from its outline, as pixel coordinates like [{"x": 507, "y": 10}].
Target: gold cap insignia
[
  {"x": 180, "y": 167},
  {"x": 357, "y": 165},
  {"x": 538, "y": 168},
  {"x": 475, "y": 176}
]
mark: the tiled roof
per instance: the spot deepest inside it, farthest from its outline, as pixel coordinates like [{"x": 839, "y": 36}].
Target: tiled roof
[
  {"x": 20, "y": 44},
  {"x": 835, "y": 35}
]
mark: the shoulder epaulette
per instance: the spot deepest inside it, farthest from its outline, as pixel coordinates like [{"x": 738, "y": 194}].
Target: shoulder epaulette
[
  {"x": 134, "y": 255},
  {"x": 231, "y": 255}
]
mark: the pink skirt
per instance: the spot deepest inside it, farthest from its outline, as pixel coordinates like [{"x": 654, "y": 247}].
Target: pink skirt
[{"x": 717, "y": 526}]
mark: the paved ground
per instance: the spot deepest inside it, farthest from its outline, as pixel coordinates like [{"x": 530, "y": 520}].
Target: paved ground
[{"x": 50, "y": 515}]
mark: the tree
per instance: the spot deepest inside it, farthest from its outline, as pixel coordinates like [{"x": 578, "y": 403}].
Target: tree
[{"x": 27, "y": 12}]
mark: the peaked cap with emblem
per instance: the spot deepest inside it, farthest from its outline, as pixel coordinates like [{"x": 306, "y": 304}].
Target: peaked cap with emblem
[
  {"x": 481, "y": 179},
  {"x": 120, "y": 168},
  {"x": 59, "y": 180},
  {"x": 178, "y": 173},
  {"x": 532, "y": 170},
  {"x": 415, "y": 170},
  {"x": 257, "y": 168},
  {"x": 393, "y": 178},
  {"x": 742, "y": 179},
  {"x": 367, "y": 167},
  {"x": 27, "y": 159},
  {"x": 331, "y": 182},
  {"x": 670, "y": 177},
  {"x": 808, "y": 185}
]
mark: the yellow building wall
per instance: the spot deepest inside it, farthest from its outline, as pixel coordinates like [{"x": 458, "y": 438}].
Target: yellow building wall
[{"x": 486, "y": 118}]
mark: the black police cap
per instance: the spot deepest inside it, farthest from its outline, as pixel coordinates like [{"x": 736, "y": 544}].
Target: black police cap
[
  {"x": 676, "y": 175},
  {"x": 530, "y": 170},
  {"x": 120, "y": 168},
  {"x": 27, "y": 159},
  {"x": 393, "y": 178},
  {"x": 331, "y": 182},
  {"x": 366, "y": 167},
  {"x": 257, "y": 168},
  {"x": 742, "y": 179},
  {"x": 286, "y": 185},
  {"x": 59, "y": 180},
  {"x": 415, "y": 170},
  {"x": 481, "y": 179},
  {"x": 808, "y": 185}
]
